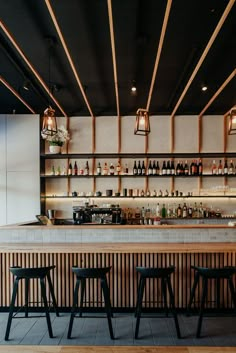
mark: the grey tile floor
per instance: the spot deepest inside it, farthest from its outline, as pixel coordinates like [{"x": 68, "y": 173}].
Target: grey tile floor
[{"x": 94, "y": 331}]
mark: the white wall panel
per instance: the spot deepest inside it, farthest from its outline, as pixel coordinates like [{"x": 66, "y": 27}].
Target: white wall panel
[
  {"x": 23, "y": 143},
  {"x": 3, "y": 198},
  {"x": 80, "y": 134},
  {"x": 106, "y": 134},
  {"x": 22, "y": 196},
  {"x": 129, "y": 141},
  {"x": 186, "y": 133},
  {"x": 159, "y": 139},
  {"x": 3, "y": 142},
  {"x": 212, "y": 133}
]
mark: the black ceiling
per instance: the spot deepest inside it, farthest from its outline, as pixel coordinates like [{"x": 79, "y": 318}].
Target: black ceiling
[{"x": 137, "y": 27}]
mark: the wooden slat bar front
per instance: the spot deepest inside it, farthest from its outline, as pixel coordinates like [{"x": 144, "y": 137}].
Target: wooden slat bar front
[{"x": 123, "y": 257}]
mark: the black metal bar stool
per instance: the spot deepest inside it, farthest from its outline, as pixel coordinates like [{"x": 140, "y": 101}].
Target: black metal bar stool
[
  {"x": 41, "y": 273},
  {"x": 164, "y": 275},
  {"x": 81, "y": 275},
  {"x": 211, "y": 273}
]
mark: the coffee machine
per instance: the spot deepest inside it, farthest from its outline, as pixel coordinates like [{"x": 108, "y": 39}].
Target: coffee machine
[{"x": 96, "y": 215}]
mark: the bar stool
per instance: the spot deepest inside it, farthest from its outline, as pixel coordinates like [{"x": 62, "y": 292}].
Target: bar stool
[
  {"x": 90, "y": 273},
  {"x": 41, "y": 273},
  {"x": 211, "y": 273},
  {"x": 164, "y": 275}
]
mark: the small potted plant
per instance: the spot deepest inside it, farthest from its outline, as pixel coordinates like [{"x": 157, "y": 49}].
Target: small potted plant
[{"x": 57, "y": 140}]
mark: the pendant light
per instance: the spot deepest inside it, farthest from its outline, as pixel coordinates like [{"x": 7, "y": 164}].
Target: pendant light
[
  {"x": 49, "y": 126},
  {"x": 232, "y": 121},
  {"x": 142, "y": 126}
]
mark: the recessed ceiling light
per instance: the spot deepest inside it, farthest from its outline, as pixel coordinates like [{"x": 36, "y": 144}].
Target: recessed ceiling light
[
  {"x": 204, "y": 88},
  {"x": 133, "y": 88}
]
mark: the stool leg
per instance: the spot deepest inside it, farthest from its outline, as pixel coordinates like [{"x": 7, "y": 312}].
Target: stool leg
[
  {"x": 172, "y": 302},
  {"x": 139, "y": 305},
  {"x": 51, "y": 290},
  {"x": 26, "y": 297},
  {"x": 43, "y": 291},
  {"x": 12, "y": 305},
  {"x": 192, "y": 294},
  {"x": 106, "y": 295},
  {"x": 73, "y": 310},
  {"x": 232, "y": 290},
  {"x": 163, "y": 289},
  {"x": 204, "y": 293},
  {"x": 136, "y": 307},
  {"x": 83, "y": 283}
]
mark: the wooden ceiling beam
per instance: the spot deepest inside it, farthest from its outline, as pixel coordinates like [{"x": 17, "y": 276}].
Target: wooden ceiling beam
[
  {"x": 226, "y": 82},
  {"x": 16, "y": 94},
  {"x": 159, "y": 49},
  {"x": 69, "y": 57},
  {"x": 113, "y": 49},
  {"x": 204, "y": 54},
  {"x": 30, "y": 66}
]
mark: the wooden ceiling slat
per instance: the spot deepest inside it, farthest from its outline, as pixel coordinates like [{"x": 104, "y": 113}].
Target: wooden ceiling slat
[
  {"x": 204, "y": 54},
  {"x": 60, "y": 35}
]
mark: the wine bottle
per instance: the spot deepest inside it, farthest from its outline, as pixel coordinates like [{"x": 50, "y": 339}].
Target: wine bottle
[
  {"x": 158, "y": 169},
  {"x": 75, "y": 169},
  {"x": 231, "y": 167},
  {"x": 99, "y": 169},
  {"x": 154, "y": 168},
  {"x": 184, "y": 215},
  {"x": 179, "y": 211},
  {"x": 213, "y": 168},
  {"x": 226, "y": 168},
  {"x": 139, "y": 168},
  {"x": 112, "y": 169},
  {"x": 168, "y": 171},
  {"x": 150, "y": 168},
  {"x": 126, "y": 169},
  {"x": 186, "y": 168},
  {"x": 200, "y": 167},
  {"x": 118, "y": 168},
  {"x": 220, "y": 168},
  {"x": 178, "y": 170},
  {"x": 86, "y": 169},
  {"x": 192, "y": 168},
  {"x": 163, "y": 211},
  {"x": 135, "y": 169},
  {"x": 172, "y": 168},
  {"x": 143, "y": 169},
  {"x": 163, "y": 171},
  {"x": 105, "y": 169},
  {"x": 70, "y": 169}
]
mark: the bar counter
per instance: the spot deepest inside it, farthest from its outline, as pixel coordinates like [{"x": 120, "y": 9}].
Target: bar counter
[{"x": 121, "y": 247}]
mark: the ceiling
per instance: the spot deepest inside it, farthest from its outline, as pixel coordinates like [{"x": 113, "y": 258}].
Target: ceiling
[{"x": 112, "y": 43}]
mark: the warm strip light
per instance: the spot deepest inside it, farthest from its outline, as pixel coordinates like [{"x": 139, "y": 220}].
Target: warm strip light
[
  {"x": 231, "y": 76},
  {"x": 8, "y": 86},
  {"x": 204, "y": 54},
  {"x": 54, "y": 20},
  {"x": 113, "y": 48},
  {"x": 12, "y": 40},
  {"x": 163, "y": 31}
]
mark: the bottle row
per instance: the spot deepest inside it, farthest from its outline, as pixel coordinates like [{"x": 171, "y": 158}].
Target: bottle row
[{"x": 140, "y": 169}]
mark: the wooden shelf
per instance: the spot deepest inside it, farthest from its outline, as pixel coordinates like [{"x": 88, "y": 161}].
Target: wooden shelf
[
  {"x": 138, "y": 197},
  {"x": 135, "y": 176}
]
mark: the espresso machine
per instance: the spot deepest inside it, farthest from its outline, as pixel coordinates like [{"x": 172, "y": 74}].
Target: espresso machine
[{"x": 96, "y": 215}]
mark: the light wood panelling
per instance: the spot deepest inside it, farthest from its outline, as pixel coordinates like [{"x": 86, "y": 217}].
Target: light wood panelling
[{"x": 122, "y": 278}]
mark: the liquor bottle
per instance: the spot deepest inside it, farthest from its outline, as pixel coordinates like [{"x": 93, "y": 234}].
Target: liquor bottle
[
  {"x": 181, "y": 168},
  {"x": 75, "y": 169},
  {"x": 220, "y": 168},
  {"x": 196, "y": 167},
  {"x": 185, "y": 211},
  {"x": 81, "y": 171},
  {"x": 192, "y": 168},
  {"x": 135, "y": 169},
  {"x": 105, "y": 169},
  {"x": 150, "y": 168},
  {"x": 186, "y": 168},
  {"x": 231, "y": 168},
  {"x": 154, "y": 168},
  {"x": 172, "y": 168},
  {"x": 139, "y": 168},
  {"x": 195, "y": 211},
  {"x": 86, "y": 169},
  {"x": 99, "y": 169},
  {"x": 168, "y": 171},
  {"x": 143, "y": 169},
  {"x": 178, "y": 170},
  {"x": 126, "y": 169},
  {"x": 158, "y": 214},
  {"x": 190, "y": 211},
  {"x": 112, "y": 169},
  {"x": 163, "y": 211},
  {"x": 163, "y": 171},
  {"x": 226, "y": 167},
  {"x": 70, "y": 169},
  {"x": 158, "y": 169},
  {"x": 179, "y": 211},
  {"x": 118, "y": 168},
  {"x": 213, "y": 168},
  {"x": 53, "y": 170},
  {"x": 200, "y": 167},
  {"x": 58, "y": 172}
]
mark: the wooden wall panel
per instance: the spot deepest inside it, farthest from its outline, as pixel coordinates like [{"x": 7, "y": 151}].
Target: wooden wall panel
[{"x": 122, "y": 277}]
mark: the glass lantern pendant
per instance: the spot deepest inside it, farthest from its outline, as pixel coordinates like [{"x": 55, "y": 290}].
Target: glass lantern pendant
[
  {"x": 49, "y": 122},
  {"x": 232, "y": 121},
  {"x": 142, "y": 126}
]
